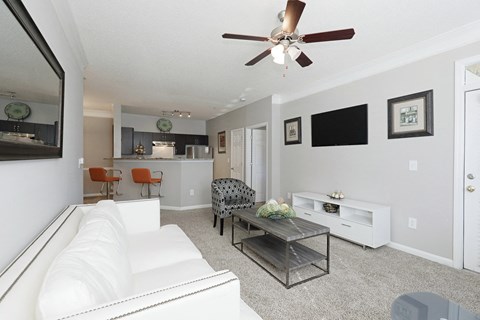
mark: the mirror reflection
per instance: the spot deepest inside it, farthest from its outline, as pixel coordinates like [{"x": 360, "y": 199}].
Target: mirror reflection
[{"x": 30, "y": 89}]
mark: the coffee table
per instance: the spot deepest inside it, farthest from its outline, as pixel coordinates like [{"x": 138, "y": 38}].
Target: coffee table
[
  {"x": 279, "y": 244},
  {"x": 428, "y": 305}
]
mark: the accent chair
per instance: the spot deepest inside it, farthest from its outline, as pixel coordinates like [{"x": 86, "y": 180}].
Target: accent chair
[{"x": 230, "y": 194}]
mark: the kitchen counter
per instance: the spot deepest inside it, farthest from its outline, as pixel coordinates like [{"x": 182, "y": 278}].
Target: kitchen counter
[
  {"x": 160, "y": 159},
  {"x": 186, "y": 182}
]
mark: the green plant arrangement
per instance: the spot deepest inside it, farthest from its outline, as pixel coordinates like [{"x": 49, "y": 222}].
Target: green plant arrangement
[{"x": 275, "y": 210}]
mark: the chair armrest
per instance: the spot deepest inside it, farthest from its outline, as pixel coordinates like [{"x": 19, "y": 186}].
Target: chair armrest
[
  {"x": 161, "y": 173},
  {"x": 113, "y": 170},
  {"x": 213, "y": 297},
  {"x": 217, "y": 193},
  {"x": 249, "y": 194}
]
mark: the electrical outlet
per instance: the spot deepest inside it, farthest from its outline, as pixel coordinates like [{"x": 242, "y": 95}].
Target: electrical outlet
[
  {"x": 412, "y": 223},
  {"x": 289, "y": 195},
  {"x": 192, "y": 192}
]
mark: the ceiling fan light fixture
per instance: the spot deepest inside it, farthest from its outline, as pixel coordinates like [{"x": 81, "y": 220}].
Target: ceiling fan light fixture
[
  {"x": 278, "y": 51},
  {"x": 279, "y": 59},
  {"x": 294, "y": 52}
]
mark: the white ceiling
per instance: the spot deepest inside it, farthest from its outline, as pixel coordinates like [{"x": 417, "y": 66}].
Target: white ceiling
[{"x": 154, "y": 55}]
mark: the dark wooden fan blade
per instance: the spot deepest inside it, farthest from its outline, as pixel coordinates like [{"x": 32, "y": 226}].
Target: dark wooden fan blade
[
  {"x": 258, "y": 58},
  {"x": 303, "y": 60},
  {"x": 293, "y": 12},
  {"x": 243, "y": 37},
  {"x": 328, "y": 36}
]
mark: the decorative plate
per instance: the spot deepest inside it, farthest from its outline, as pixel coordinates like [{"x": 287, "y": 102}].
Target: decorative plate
[
  {"x": 164, "y": 125},
  {"x": 17, "y": 110}
]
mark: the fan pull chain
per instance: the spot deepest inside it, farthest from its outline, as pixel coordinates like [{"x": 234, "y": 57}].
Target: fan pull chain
[{"x": 286, "y": 68}]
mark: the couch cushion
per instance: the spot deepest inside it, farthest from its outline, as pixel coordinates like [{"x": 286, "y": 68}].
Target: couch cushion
[
  {"x": 92, "y": 269},
  {"x": 171, "y": 274},
  {"x": 105, "y": 209},
  {"x": 151, "y": 250}
]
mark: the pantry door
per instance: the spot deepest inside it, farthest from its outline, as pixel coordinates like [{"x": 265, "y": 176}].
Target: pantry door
[
  {"x": 472, "y": 182},
  {"x": 237, "y": 155}
]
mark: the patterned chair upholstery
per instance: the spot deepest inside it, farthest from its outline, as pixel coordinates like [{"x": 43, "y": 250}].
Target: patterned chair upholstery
[{"x": 230, "y": 194}]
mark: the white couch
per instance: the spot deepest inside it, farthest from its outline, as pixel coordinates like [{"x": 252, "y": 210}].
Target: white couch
[{"x": 140, "y": 270}]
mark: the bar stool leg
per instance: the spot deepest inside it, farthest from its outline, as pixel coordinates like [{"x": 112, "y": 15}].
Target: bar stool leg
[{"x": 108, "y": 190}]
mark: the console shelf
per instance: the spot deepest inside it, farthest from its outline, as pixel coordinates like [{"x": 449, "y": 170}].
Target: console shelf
[{"x": 361, "y": 222}]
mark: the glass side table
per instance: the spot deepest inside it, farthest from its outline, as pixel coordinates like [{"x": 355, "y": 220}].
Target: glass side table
[{"x": 428, "y": 306}]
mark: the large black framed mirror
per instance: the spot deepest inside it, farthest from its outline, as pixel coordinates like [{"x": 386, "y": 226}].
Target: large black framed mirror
[{"x": 31, "y": 89}]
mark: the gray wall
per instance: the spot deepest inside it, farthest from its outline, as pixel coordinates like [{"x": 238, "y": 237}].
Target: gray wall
[
  {"x": 378, "y": 172},
  {"x": 34, "y": 192},
  {"x": 149, "y": 124},
  {"x": 258, "y": 112},
  {"x": 40, "y": 112},
  {"x": 97, "y": 148}
]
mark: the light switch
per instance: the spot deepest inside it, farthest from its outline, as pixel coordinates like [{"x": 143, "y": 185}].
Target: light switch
[
  {"x": 80, "y": 163},
  {"x": 413, "y": 165}
]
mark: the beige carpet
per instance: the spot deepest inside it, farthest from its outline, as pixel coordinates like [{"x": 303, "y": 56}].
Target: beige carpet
[{"x": 362, "y": 284}]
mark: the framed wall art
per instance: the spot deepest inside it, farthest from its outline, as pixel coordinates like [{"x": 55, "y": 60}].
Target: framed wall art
[
  {"x": 293, "y": 131},
  {"x": 411, "y": 115},
  {"x": 222, "y": 142}
]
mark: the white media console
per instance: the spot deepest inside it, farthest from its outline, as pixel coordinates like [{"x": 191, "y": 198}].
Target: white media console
[{"x": 364, "y": 223}]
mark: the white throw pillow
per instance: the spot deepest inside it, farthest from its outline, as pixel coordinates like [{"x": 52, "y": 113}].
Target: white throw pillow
[
  {"x": 105, "y": 209},
  {"x": 91, "y": 270}
]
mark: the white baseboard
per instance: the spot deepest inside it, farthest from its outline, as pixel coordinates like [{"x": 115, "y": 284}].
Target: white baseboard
[
  {"x": 421, "y": 254},
  {"x": 200, "y": 206}
]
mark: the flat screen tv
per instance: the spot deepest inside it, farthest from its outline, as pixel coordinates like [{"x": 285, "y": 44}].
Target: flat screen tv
[{"x": 348, "y": 126}]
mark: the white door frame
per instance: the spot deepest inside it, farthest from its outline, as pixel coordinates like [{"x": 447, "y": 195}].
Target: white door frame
[
  {"x": 459, "y": 156},
  {"x": 248, "y": 146}
]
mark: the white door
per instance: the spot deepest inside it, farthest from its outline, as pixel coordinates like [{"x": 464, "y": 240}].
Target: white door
[
  {"x": 236, "y": 151},
  {"x": 472, "y": 182},
  {"x": 259, "y": 163}
]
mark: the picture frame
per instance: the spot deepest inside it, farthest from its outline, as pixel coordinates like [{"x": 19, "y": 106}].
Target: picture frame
[
  {"x": 411, "y": 115},
  {"x": 293, "y": 131},
  {"x": 222, "y": 142}
]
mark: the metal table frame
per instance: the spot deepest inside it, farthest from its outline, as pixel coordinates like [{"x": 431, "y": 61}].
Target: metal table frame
[{"x": 278, "y": 258}]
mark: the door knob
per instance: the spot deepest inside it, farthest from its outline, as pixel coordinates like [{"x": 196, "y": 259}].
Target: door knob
[
  {"x": 470, "y": 176},
  {"x": 470, "y": 188}
]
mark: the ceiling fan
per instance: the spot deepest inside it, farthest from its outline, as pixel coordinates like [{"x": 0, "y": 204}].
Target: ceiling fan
[{"x": 286, "y": 36}]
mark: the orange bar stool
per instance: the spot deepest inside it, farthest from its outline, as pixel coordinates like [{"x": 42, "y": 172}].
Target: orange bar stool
[
  {"x": 99, "y": 174},
  {"x": 143, "y": 176}
]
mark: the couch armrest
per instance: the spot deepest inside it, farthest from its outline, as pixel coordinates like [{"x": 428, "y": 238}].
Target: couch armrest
[
  {"x": 212, "y": 297},
  {"x": 140, "y": 215}
]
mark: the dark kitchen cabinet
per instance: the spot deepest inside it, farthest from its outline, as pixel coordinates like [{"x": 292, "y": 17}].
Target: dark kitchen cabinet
[
  {"x": 131, "y": 138},
  {"x": 181, "y": 140},
  {"x": 45, "y": 132},
  {"x": 196, "y": 139},
  {"x": 144, "y": 138},
  {"x": 127, "y": 140},
  {"x": 179, "y": 144},
  {"x": 17, "y": 126},
  {"x": 163, "y": 136}
]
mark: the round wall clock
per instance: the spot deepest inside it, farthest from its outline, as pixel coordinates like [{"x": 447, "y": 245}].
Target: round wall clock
[
  {"x": 164, "y": 125},
  {"x": 17, "y": 110}
]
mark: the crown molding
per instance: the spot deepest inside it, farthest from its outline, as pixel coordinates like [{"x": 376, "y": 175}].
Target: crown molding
[
  {"x": 65, "y": 16},
  {"x": 450, "y": 40},
  {"x": 96, "y": 113}
]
